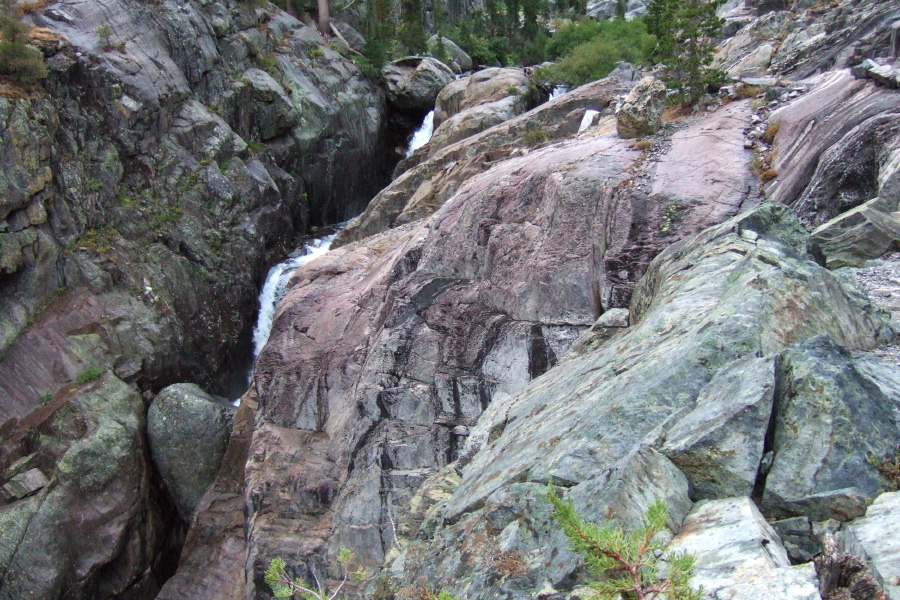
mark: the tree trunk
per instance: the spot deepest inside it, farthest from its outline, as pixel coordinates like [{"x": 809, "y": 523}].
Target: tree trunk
[{"x": 324, "y": 18}]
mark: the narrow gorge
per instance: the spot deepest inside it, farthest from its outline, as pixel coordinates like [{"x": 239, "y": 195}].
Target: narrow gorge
[{"x": 262, "y": 301}]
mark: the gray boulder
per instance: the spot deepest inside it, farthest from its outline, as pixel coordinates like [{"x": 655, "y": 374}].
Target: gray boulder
[
  {"x": 642, "y": 110},
  {"x": 874, "y": 539},
  {"x": 739, "y": 556},
  {"x": 461, "y": 60},
  {"x": 188, "y": 431},
  {"x": 860, "y": 234},
  {"x": 719, "y": 445},
  {"x": 413, "y": 83},
  {"x": 830, "y": 419}
]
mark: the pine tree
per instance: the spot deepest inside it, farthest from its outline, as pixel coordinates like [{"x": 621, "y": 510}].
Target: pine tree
[
  {"x": 411, "y": 33},
  {"x": 627, "y": 563},
  {"x": 686, "y": 31},
  {"x": 18, "y": 61}
]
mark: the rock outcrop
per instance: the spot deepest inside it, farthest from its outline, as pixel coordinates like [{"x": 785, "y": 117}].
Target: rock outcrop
[
  {"x": 188, "y": 432},
  {"x": 99, "y": 526},
  {"x": 641, "y": 112},
  {"x": 145, "y": 188},
  {"x": 413, "y": 83}
]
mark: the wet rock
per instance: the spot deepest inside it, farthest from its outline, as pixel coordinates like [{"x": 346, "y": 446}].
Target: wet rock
[
  {"x": 867, "y": 538},
  {"x": 641, "y": 113},
  {"x": 269, "y": 112},
  {"x": 830, "y": 419},
  {"x": 413, "y": 83},
  {"x": 738, "y": 555},
  {"x": 188, "y": 431}
]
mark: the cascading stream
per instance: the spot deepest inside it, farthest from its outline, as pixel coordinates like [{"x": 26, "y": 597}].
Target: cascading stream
[
  {"x": 275, "y": 288},
  {"x": 422, "y": 134}
]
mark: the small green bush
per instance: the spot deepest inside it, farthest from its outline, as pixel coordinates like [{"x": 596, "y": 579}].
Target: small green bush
[
  {"x": 18, "y": 61},
  {"x": 90, "y": 375},
  {"x": 534, "y": 137},
  {"x": 270, "y": 64},
  {"x": 284, "y": 587},
  {"x": 607, "y": 43},
  {"x": 627, "y": 563}
]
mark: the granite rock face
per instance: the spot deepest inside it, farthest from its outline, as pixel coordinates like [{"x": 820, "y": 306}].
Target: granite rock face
[
  {"x": 720, "y": 297},
  {"x": 188, "y": 431},
  {"x": 99, "y": 527},
  {"x": 413, "y": 83},
  {"x": 151, "y": 164}
]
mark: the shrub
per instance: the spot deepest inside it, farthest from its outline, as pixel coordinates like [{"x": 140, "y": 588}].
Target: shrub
[
  {"x": 90, "y": 375},
  {"x": 270, "y": 64},
  {"x": 534, "y": 137},
  {"x": 512, "y": 91},
  {"x": 643, "y": 145},
  {"x": 18, "y": 61},
  {"x": 285, "y": 587},
  {"x": 104, "y": 36},
  {"x": 609, "y": 43},
  {"x": 770, "y": 133},
  {"x": 627, "y": 564}
]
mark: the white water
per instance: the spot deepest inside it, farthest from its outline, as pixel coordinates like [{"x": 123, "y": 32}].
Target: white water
[
  {"x": 587, "y": 119},
  {"x": 558, "y": 91},
  {"x": 275, "y": 288},
  {"x": 422, "y": 134}
]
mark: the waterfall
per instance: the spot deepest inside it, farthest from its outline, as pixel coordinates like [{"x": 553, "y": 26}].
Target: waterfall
[
  {"x": 422, "y": 134},
  {"x": 275, "y": 288},
  {"x": 558, "y": 91},
  {"x": 587, "y": 120}
]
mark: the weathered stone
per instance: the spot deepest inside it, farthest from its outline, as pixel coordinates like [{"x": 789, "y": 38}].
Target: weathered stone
[
  {"x": 860, "y": 234},
  {"x": 871, "y": 538},
  {"x": 487, "y": 85},
  {"x": 25, "y": 484},
  {"x": 797, "y": 537},
  {"x": 188, "y": 431},
  {"x": 704, "y": 303},
  {"x": 830, "y": 419},
  {"x": 610, "y": 323},
  {"x": 461, "y": 61},
  {"x": 97, "y": 529},
  {"x": 413, "y": 83},
  {"x": 739, "y": 556},
  {"x": 719, "y": 445},
  {"x": 641, "y": 113}
]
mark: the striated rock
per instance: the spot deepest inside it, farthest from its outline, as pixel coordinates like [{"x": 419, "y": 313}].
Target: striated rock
[
  {"x": 487, "y": 85},
  {"x": 641, "y": 112},
  {"x": 188, "y": 431},
  {"x": 472, "y": 104},
  {"x": 394, "y": 346},
  {"x": 860, "y": 234},
  {"x": 739, "y": 555},
  {"x": 836, "y": 37},
  {"x": 830, "y": 146},
  {"x": 603, "y": 9},
  {"x": 829, "y": 420},
  {"x": 719, "y": 445},
  {"x": 95, "y": 527},
  {"x": 461, "y": 61},
  {"x": 866, "y": 537},
  {"x": 426, "y": 185},
  {"x": 747, "y": 53},
  {"x": 413, "y": 83},
  {"x": 703, "y": 304},
  {"x": 269, "y": 111}
]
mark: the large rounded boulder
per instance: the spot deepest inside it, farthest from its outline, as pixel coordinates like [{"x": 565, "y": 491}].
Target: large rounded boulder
[
  {"x": 641, "y": 113},
  {"x": 414, "y": 82},
  {"x": 188, "y": 431}
]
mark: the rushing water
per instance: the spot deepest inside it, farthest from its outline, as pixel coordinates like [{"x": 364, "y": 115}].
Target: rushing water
[
  {"x": 558, "y": 91},
  {"x": 422, "y": 134},
  {"x": 587, "y": 120},
  {"x": 275, "y": 288}
]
